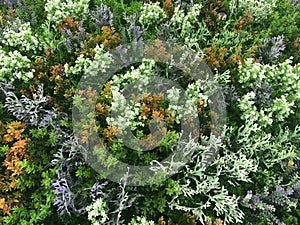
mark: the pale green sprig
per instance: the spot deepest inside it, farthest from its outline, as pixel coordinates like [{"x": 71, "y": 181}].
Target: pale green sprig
[
  {"x": 183, "y": 26},
  {"x": 185, "y": 22},
  {"x": 282, "y": 108},
  {"x": 196, "y": 182}
]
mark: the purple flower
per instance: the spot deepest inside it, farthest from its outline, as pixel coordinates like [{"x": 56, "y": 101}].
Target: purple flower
[
  {"x": 280, "y": 189},
  {"x": 290, "y": 192}
]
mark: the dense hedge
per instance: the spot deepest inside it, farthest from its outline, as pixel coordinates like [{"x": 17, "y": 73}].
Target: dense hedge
[{"x": 252, "y": 48}]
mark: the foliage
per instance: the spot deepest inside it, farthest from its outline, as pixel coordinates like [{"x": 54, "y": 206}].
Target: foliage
[
  {"x": 245, "y": 172},
  {"x": 284, "y": 13},
  {"x": 271, "y": 49},
  {"x": 13, "y": 147},
  {"x": 259, "y": 9},
  {"x": 283, "y": 81},
  {"x": 14, "y": 66},
  {"x": 265, "y": 205},
  {"x": 59, "y": 9}
]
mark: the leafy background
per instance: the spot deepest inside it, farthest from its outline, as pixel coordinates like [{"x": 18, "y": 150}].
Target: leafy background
[{"x": 251, "y": 46}]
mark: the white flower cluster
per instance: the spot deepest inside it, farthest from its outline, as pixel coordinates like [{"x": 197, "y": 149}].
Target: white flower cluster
[
  {"x": 141, "y": 221},
  {"x": 151, "y": 14},
  {"x": 23, "y": 38},
  {"x": 59, "y": 9},
  {"x": 259, "y": 9},
  {"x": 88, "y": 67},
  {"x": 14, "y": 66},
  {"x": 97, "y": 212},
  {"x": 143, "y": 71},
  {"x": 285, "y": 82},
  {"x": 184, "y": 26},
  {"x": 282, "y": 108}
]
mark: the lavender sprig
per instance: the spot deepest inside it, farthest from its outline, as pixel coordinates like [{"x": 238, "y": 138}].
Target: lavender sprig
[
  {"x": 264, "y": 205},
  {"x": 73, "y": 42},
  {"x": 271, "y": 49},
  {"x": 102, "y": 16},
  {"x": 11, "y": 3},
  {"x": 231, "y": 94},
  {"x": 131, "y": 32},
  {"x": 263, "y": 93},
  {"x": 294, "y": 2}
]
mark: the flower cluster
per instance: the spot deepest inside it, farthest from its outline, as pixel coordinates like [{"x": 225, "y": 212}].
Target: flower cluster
[
  {"x": 13, "y": 66},
  {"x": 58, "y": 9},
  {"x": 282, "y": 80},
  {"x": 22, "y": 39},
  {"x": 141, "y": 221},
  {"x": 265, "y": 205},
  {"x": 97, "y": 212},
  {"x": 188, "y": 109},
  {"x": 251, "y": 113},
  {"x": 130, "y": 110},
  {"x": 84, "y": 65},
  {"x": 259, "y": 9},
  {"x": 10, "y": 3},
  {"x": 151, "y": 14}
]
